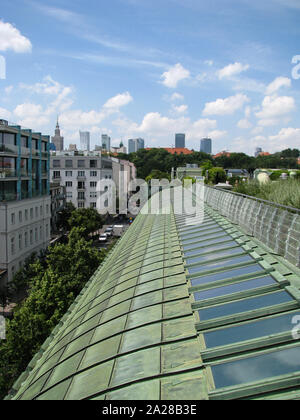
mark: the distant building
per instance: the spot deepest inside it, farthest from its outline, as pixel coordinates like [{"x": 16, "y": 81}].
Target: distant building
[
  {"x": 258, "y": 150},
  {"x": 98, "y": 148},
  {"x": 135, "y": 144},
  {"x": 85, "y": 140},
  {"x": 174, "y": 150},
  {"x": 224, "y": 153},
  {"x": 73, "y": 148},
  {"x": 206, "y": 146},
  {"x": 58, "y": 203},
  {"x": 190, "y": 170},
  {"x": 106, "y": 140},
  {"x": 243, "y": 173},
  {"x": 58, "y": 140},
  {"x": 179, "y": 141}
]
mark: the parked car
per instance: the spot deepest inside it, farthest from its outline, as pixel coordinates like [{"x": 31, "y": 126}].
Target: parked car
[{"x": 103, "y": 238}]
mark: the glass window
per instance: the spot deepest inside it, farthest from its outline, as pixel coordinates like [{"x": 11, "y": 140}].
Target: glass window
[
  {"x": 80, "y": 164},
  {"x": 20, "y": 241},
  {"x": 20, "y": 216},
  {"x": 199, "y": 228},
  {"x": 208, "y": 249},
  {"x": 250, "y": 330},
  {"x": 93, "y": 164},
  {"x": 69, "y": 163},
  {"x": 93, "y": 184},
  {"x": 13, "y": 218},
  {"x": 12, "y": 245},
  {"x": 24, "y": 141},
  {"x": 191, "y": 237},
  {"x": 207, "y": 241},
  {"x": 215, "y": 255},
  {"x": 226, "y": 275},
  {"x": 69, "y": 184},
  {"x": 26, "y": 214},
  {"x": 56, "y": 174},
  {"x": 56, "y": 163},
  {"x": 93, "y": 173},
  {"x": 257, "y": 368},
  {"x": 234, "y": 288},
  {"x": 244, "y": 305},
  {"x": 81, "y": 173},
  {"x": 26, "y": 239},
  {"x": 69, "y": 173},
  {"x": 220, "y": 264}
]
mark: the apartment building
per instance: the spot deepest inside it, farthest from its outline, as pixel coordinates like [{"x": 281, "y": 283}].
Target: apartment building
[
  {"x": 25, "y": 209},
  {"x": 80, "y": 175}
]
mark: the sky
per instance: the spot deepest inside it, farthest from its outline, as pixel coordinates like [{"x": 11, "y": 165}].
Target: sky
[{"x": 224, "y": 69}]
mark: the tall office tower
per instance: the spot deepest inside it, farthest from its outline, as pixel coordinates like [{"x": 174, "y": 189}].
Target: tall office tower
[
  {"x": 85, "y": 140},
  {"x": 25, "y": 204},
  {"x": 258, "y": 150},
  {"x": 179, "y": 141},
  {"x": 105, "y": 142},
  {"x": 58, "y": 140},
  {"x": 135, "y": 144},
  {"x": 206, "y": 146}
]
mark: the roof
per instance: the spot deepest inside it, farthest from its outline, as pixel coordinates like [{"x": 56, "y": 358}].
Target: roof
[
  {"x": 176, "y": 150},
  {"x": 181, "y": 309}
]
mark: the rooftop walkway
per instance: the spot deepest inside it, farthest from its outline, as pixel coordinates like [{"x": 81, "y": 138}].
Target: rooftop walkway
[{"x": 177, "y": 312}]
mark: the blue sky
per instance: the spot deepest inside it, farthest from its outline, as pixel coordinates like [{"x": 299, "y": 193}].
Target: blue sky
[{"x": 141, "y": 68}]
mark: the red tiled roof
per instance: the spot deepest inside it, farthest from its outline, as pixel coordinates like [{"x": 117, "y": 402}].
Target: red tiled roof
[
  {"x": 173, "y": 150},
  {"x": 222, "y": 154}
]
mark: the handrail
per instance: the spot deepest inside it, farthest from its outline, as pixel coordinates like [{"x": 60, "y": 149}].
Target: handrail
[{"x": 261, "y": 200}]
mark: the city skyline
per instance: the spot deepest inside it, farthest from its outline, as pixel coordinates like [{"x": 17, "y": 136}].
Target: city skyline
[{"x": 237, "y": 84}]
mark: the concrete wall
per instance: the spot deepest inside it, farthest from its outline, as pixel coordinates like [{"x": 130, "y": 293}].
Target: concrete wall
[{"x": 277, "y": 228}]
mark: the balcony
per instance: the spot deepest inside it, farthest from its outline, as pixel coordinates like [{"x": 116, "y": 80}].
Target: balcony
[
  {"x": 24, "y": 173},
  {"x": 81, "y": 178},
  {"x": 8, "y": 196},
  {"x": 25, "y": 151},
  {"x": 8, "y": 173},
  {"x": 9, "y": 149}
]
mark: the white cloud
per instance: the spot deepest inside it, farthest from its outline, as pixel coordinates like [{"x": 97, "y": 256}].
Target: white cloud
[
  {"x": 273, "y": 108},
  {"x": 286, "y": 138},
  {"x": 175, "y": 75},
  {"x": 182, "y": 109},
  {"x": 31, "y": 115},
  {"x": 244, "y": 124},
  {"x": 11, "y": 39},
  {"x": 177, "y": 97},
  {"x": 5, "y": 114},
  {"x": 278, "y": 83},
  {"x": 8, "y": 90},
  {"x": 209, "y": 62},
  {"x": 118, "y": 101},
  {"x": 232, "y": 70},
  {"x": 227, "y": 106}
]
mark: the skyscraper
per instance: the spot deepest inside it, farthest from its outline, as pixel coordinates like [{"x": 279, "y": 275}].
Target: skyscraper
[
  {"x": 85, "y": 140},
  {"x": 105, "y": 142},
  {"x": 135, "y": 144},
  {"x": 58, "y": 140},
  {"x": 206, "y": 146},
  {"x": 180, "y": 141}
]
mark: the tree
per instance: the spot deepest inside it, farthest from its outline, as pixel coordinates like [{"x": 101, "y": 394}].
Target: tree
[
  {"x": 64, "y": 217},
  {"x": 87, "y": 219},
  {"x": 216, "y": 175}
]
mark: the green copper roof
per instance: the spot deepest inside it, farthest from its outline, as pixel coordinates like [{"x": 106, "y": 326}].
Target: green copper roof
[{"x": 176, "y": 312}]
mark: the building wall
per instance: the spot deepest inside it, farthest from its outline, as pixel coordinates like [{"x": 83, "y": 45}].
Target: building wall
[{"x": 24, "y": 229}]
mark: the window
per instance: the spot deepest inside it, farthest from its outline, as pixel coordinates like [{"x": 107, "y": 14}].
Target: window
[
  {"x": 47, "y": 208},
  {"x": 244, "y": 305},
  {"x": 35, "y": 234},
  {"x": 81, "y": 196},
  {"x": 81, "y": 164},
  {"x": 69, "y": 194},
  {"x": 13, "y": 218},
  {"x": 20, "y": 241},
  {"x": 41, "y": 210},
  {"x": 81, "y": 173},
  {"x": 41, "y": 233},
  {"x": 234, "y": 288},
  {"x": 31, "y": 237},
  {"x": 69, "y": 173},
  {"x": 26, "y": 214},
  {"x": 93, "y": 205},
  {"x": 20, "y": 216},
  {"x": 81, "y": 205},
  {"x": 69, "y": 164},
  {"x": 93, "y": 164},
  {"x": 56, "y": 174},
  {"x": 93, "y": 184},
  {"x": 69, "y": 184},
  {"x": 31, "y": 213},
  {"x": 257, "y": 368},
  {"x": 36, "y": 212},
  {"x": 93, "y": 173},
  {"x": 56, "y": 163},
  {"x": 12, "y": 246},
  {"x": 93, "y": 195},
  {"x": 26, "y": 239},
  {"x": 220, "y": 264}
]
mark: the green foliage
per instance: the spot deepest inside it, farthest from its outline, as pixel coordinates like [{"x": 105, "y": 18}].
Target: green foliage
[
  {"x": 53, "y": 289},
  {"x": 189, "y": 178},
  {"x": 87, "y": 219},
  {"x": 217, "y": 175},
  {"x": 156, "y": 174},
  {"x": 64, "y": 217},
  {"x": 285, "y": 192}
]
